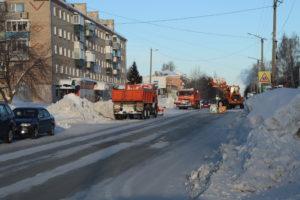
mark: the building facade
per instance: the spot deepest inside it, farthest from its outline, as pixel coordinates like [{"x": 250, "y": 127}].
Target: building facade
[{"x": 78, "y": 43}]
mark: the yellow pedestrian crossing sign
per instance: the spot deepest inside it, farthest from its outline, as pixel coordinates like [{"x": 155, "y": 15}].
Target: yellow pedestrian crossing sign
[{"x": 264, "y": 77}]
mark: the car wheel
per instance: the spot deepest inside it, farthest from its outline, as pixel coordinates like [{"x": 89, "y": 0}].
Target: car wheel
[
  {"x": 10, "y": 137},
  {"x": 35, "y": 133},
  {"x": 52, "y": 131}
]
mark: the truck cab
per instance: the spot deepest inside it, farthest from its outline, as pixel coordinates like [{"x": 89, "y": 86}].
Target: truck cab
[{"x": 188, "y": 98}]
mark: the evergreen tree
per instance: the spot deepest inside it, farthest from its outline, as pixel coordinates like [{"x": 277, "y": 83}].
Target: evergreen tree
[{"x": 133, "y": 75}]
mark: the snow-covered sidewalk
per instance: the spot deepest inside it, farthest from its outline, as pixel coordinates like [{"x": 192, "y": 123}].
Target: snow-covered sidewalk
[{"x": 269, "y": 158}]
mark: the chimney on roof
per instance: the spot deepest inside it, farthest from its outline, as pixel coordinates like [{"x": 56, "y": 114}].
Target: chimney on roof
[
  {"x": 81, "y": 7},
  {"x": 94, "y": 15},
  {"x": 110, "y": 23}
]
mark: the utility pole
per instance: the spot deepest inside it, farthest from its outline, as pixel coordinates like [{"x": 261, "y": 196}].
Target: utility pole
[
  {"x": 151, "y": 57},
  {"x": 274, "y": 48},
  {"x": 262, "y": 40}
]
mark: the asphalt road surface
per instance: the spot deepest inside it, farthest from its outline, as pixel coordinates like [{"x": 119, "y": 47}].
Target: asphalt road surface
[{"x": 145, "y": 160}]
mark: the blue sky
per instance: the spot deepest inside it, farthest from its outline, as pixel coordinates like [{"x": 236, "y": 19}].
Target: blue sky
[{"x": 225, "y": 56}]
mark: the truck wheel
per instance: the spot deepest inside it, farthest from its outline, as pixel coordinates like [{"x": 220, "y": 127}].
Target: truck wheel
[
  {"x": 155, "y": 113},
  {"x": 147, "y": 113},
  {"x": 144, "y": 114},
  {"x": 242, "y": 106}
]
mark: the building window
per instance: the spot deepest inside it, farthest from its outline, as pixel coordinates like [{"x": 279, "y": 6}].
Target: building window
[
  {"x": 69, "y": 53},
  {"x": 65, "y": 52},
  {"x": 17, "y": 26},
  {"x": 64, "y": 16},
  {"x": 54, "y": 11},
  {"x": 60, "y": 51},
  {"x": 65, "y": 34},
  {"x": 61, "y": 69},
  {"x": 17, "y": 7},
  {"x": 20, "y": 45},
  {"x": 59, "y": 14},
  {"x": 60, "y": 32},
  {"x": 68, "y": 18},
  {"x": 55, "y": 49},
  {"x": 54, "y": 30}
]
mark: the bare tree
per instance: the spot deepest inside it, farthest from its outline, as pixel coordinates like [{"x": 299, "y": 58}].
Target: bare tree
[
  {"x": 201, "y": 82},
  {"x": 288, "y": 57},
  {"x": 250, "y": 78},
  {"x": 20, "y": 65},
  {"x": 169, "y": 66}
]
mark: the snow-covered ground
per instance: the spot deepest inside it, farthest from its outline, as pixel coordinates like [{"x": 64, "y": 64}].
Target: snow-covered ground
[
  {"x": 73, "y": 110},
  {"x": 266, "y": 163}
]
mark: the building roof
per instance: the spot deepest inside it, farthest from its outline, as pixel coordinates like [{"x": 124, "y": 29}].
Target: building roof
[{"x": 69, "y": 6}]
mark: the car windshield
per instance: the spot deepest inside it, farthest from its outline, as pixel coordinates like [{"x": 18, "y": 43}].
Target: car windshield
[
  {"x": 25, "y": 113},
  {"x": 185, "y": 93}
]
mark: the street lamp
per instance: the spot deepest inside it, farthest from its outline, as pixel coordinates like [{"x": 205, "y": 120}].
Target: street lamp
[
  {"x": 262, "y": 40},
  {"x": 151, "y": 57}
]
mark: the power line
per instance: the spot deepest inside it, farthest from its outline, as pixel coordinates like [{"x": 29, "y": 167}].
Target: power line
[
  {"x": 182, "y": 29},
  {"x": 198, "y": 17},
  {"x": 209, "y": 59},
  {"x": 288, "y": 17}
]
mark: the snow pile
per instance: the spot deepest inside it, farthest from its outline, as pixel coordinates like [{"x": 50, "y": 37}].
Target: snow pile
[
  {"x": 269, "y": 158},
  {"x": 73, "y": 109},
  {"x": 167, "y": 102}
]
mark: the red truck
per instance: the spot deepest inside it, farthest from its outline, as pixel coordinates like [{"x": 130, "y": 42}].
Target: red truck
[
  {"x": 188, "y": 98},
  {"x": 135, "y": 101}
]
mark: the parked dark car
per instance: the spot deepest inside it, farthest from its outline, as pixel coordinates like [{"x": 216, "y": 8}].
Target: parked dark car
[
  {"x": 7, "y": 123},
  {"x": 33, "y": 122},
  {"x": 205, "y": 103}
]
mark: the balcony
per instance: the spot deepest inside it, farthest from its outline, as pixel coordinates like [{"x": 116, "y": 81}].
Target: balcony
[
  {"x": 116, "y": 45},
  {"x": 2, "y": 36},
  {"x": 17, "y": 15},
  {"x": 115, "y": 72},
  {"x": 79, "y": 63},
  {"x": 78, "y": 20},
  {"x": 79, "y": 53},
  {"x": 90, "y": 57},
  {"x": 108, "y": 42},
  {"x": 108, "y": 56},
  {"x": 17, "y": 35},
  {"x": 90, "y": 65},
  {"x": 115, "y": 59},
  {"x": 90, "y": 29},
  {"x": 109, "y": 71}
]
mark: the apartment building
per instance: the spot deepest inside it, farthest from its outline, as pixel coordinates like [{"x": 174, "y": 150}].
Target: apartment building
[{"x": 79, "y": 44}]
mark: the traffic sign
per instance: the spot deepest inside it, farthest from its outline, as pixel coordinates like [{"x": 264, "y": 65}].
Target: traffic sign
[{"x": 264, "y": 77}]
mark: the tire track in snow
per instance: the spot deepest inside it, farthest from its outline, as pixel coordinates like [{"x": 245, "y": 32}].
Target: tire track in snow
[
  {"x": 26, "y": 152},
  {"x": 41, "y": 178}
]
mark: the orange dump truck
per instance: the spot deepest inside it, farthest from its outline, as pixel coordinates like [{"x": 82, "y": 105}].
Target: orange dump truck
[
  {"x": 188, "y": 98},
  {"x": 231, "y": 96},
  {"x": 135, "y": 101}
]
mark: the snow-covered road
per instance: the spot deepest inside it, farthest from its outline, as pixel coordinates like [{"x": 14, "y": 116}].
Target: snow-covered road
[{"x": 125, "y": 160}]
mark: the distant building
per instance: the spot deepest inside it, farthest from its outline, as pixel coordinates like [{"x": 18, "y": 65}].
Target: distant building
[
  {"x": 169, "y": 82},
  {"x": 79, "y": 43}
]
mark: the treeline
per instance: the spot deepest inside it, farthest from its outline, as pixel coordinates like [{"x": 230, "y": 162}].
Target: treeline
[
  {"x": 288, "y": 64},
  {"x": 201, "y": 82}
]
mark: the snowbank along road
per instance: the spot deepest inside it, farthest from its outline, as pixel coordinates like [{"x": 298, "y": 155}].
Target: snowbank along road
[{"x": 140, "y": 160}]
